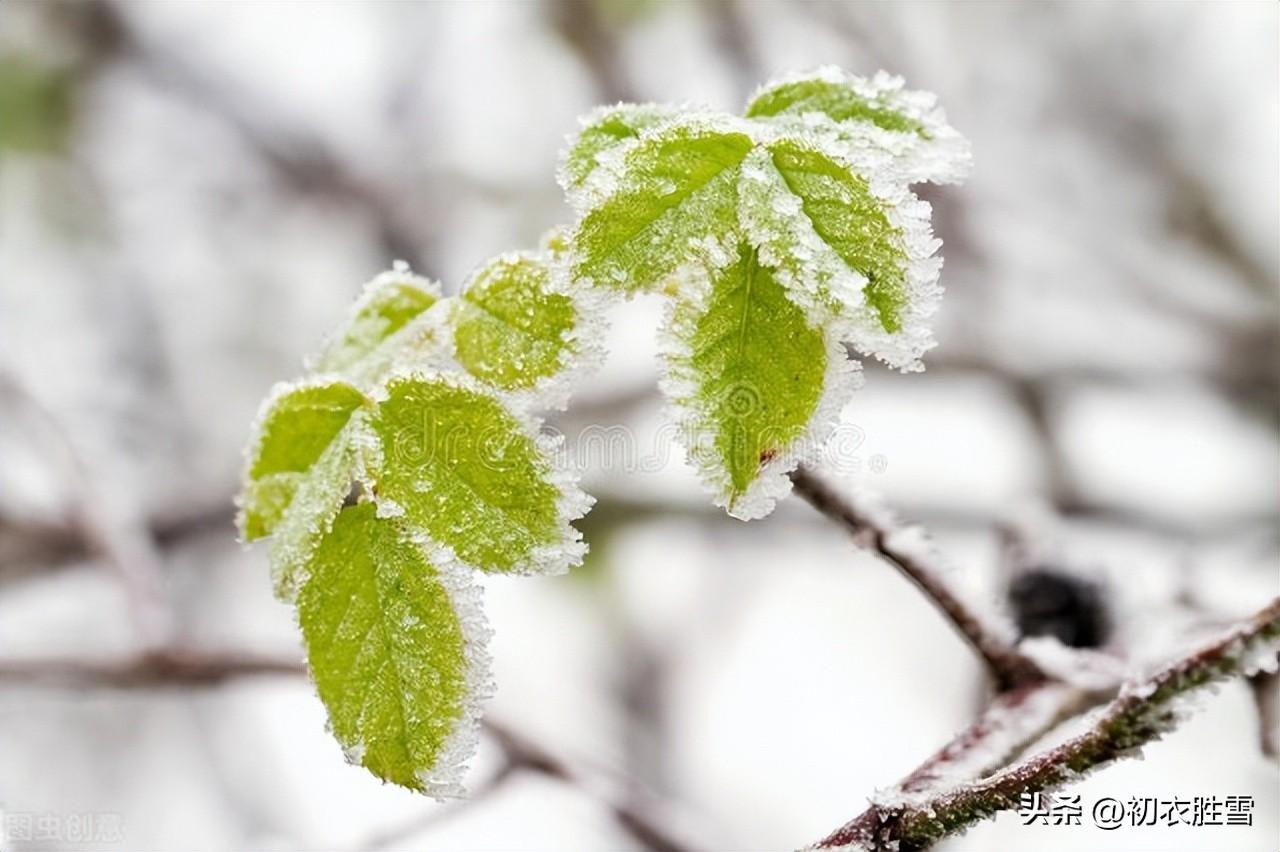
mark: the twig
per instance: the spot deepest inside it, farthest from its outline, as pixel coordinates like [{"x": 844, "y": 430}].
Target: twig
[
  {"x": 302, "y": 160},
  {"x": 396, "y": 834},
  {"x": 591, "y": 38},
  {"x": 165, "y": 668},
  {"x": 1266, "y": 698},
  {"x": 177, "y": 667},
  {"x": 1144, "y": 711},
  {"x": 123, "y": 541},
  {"x": 993, "y": 641},
  {"x": 1012, "y": 722},
  {"x": 630, "y": 814}
]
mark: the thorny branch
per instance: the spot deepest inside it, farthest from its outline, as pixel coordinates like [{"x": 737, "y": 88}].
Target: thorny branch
[
  {"x": 941, "y": 797},
  {"x": 1143, "y": 712}
]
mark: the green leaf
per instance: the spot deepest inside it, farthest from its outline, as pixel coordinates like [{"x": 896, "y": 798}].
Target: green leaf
[
  {"x": 848, "y": 114},
  {"x": 307, "y": 449},
  {"x": 386, "y": 326},
  {"x": 36, "y": 105},
  {"x": 510, "y": 330},
  {"x": 756, "y": 385},
  {"x": 463, "y": 469},
  {"x": 395, "y": 647},
  {"x": 603, "y": 130},
  {"x": 840, "y": 98},
  {"x": 675, "y": 202},
  {"x": 858, "y": 253},
  {"x": 298, "y": 425}
]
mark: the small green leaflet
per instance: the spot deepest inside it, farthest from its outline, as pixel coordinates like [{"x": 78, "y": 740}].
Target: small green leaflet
[
  {"x": 387, "y": 326},
  {"x": 300, "y": 469},
  {"x": 510, "y": 330},
  {"x": 756, "y": 386},
  {"x": 851, "y": 114},
  {"x": 396, "y": 648},
  {"x": 604, "y": 130},
  {"x": 836, "y": 100},
  {"x": 470, "y": 474},
  {"x": 851, "y": 253},
  {"x": 675, "y": 202}
]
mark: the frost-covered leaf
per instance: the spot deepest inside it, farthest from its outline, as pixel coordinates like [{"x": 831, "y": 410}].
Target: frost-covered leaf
[
  {"x": 386, "y": 326},
  {"x": 37, "y": 104},
  {"x": 603, "y": 130},
  {"x": 840, "y": 97},
  {"x": 306, "y": 450},
  {"x": 510, "y": 329},
  {"x": 852, "y": 112},
  {"x": 675, "y": 200},
  {"x": 298, "y": 425},
  {"x": 395, "y": 644},
  {"x": 849, "y": 247},
  {"x": 755, "y": 386},
  {"x": 465, "y": 470}
]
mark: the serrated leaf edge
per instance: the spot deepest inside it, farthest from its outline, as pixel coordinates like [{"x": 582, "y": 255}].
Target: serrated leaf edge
[
  {"x": 679, "y": 385},
  {"x": 572, "y": 502},
  {"x": 856, "y": 320},
  {"x": 253, "y": 447},
  {"x": 586, "y": 338},
  {"x": 443, "y": 780},
  {"x": 363, "y": 374},
  {"x": 944, "y": 158}
]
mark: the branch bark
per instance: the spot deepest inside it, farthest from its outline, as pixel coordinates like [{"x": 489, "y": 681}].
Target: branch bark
[
  {"x": 874, "y": 530},
  {"x": 1143, "y": 712}
]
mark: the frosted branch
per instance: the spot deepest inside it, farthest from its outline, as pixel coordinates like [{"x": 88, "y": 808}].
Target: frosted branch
[
  {"x": 876, "y": 531},
  {"x": 1143, "y": 712}
]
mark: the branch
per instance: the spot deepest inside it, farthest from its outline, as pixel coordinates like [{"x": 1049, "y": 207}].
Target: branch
[
  {"x": 164, "y": 668},
  {"x": 1265, "y": 686},
  {"x": 119, "y": 537},
  {"x": 1012, "y": 722},
  {"x": 182, "y": 668},
  {"x": 874, "y": 530},
  {"x": 1143, "y": 712},
  {"x": 631, "y": 815}
]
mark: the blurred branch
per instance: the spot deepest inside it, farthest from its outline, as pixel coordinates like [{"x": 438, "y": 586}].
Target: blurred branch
[
  {"x": 634, "y": 816},
  {"x": 1010, "y": 723},
  {"x": 163, "y": 668},
  {"x": 123, "y": 542},
  {"x": 303, "y": 161},
  {"x": 582, "y": 27},
  {"x": 873, "y": 529},
  {"x": 189, "y": 667},
  {"x": 396, "y": 835},
  {"x": 1143, "y": 712},
  {"x": 732, "y": 35},
  {"x": 1266, "y": 697}
]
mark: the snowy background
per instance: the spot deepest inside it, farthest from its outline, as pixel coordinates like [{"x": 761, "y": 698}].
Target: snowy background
[{"x": 192, "y": 193}]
